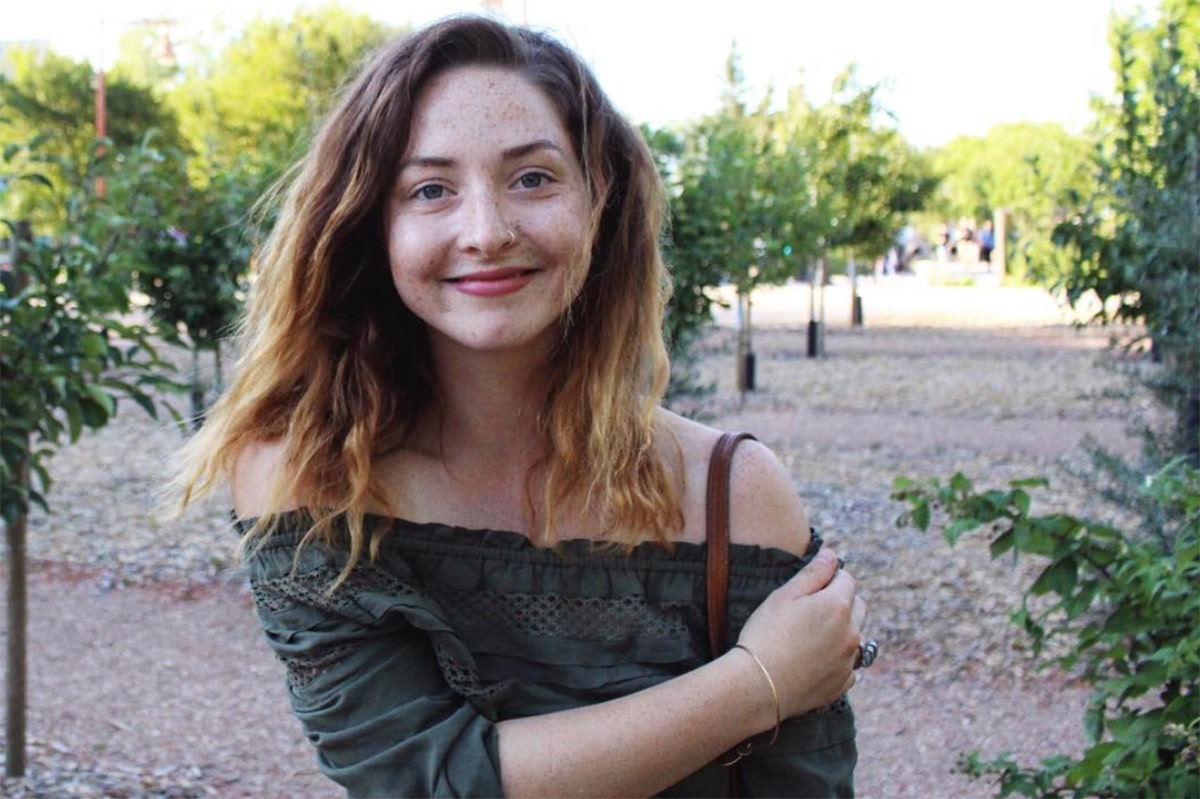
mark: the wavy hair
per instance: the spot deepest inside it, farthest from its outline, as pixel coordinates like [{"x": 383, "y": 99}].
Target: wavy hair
[{"x": 336, "y": 367}]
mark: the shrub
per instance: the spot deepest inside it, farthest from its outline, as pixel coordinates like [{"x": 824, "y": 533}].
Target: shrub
[{"x": 1124, "y": 608}]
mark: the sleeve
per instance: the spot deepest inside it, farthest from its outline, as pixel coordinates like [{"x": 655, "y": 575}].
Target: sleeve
[{"x": 370, "y": 673}]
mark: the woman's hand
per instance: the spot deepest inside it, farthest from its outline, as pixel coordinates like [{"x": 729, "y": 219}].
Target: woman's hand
[{"x": 807, "y": 632}]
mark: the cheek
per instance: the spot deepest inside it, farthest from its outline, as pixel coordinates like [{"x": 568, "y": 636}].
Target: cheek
[{"x": 406, "y": 259}]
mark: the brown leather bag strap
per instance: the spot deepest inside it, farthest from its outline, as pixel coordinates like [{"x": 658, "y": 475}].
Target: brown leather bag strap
[{"x": 717, "y": 535}]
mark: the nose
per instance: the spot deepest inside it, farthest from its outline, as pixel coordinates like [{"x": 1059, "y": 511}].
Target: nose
[{"x": 485, "y": 229}]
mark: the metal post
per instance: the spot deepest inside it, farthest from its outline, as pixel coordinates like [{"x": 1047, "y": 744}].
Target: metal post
[
  {"x": 748, "y": 356},
  {"x": 856, "y": 319},
  {"x": 813, "y": 328}
]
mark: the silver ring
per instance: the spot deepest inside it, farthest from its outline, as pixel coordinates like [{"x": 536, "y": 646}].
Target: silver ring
[
  {"x": 866, "y": 654},
  {"x": 512, "y": 237}
]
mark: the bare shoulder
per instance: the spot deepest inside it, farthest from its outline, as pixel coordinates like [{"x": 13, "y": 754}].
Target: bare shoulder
[
  {"x": 255, "y": 471},
  {"x": 764, "y": 506}
]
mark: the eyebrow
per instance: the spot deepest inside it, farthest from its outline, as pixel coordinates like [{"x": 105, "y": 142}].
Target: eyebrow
[{"x": 509, "y": 154}]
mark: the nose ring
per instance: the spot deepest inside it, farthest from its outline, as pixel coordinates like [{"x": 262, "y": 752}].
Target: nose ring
[{"x": 512, "y": 237}]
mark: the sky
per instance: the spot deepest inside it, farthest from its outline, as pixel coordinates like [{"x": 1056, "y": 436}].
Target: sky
[{"x": 946, "y": 67}]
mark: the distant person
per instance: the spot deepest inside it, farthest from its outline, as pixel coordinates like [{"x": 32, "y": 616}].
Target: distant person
[
  {"x": 944, "y": 242},
  {"x": 987, "y": 241},
  {"x": 474, "y": 536}
]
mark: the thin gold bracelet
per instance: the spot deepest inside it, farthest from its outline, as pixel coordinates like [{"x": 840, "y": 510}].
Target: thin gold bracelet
[{"x": 748, "y": 748}]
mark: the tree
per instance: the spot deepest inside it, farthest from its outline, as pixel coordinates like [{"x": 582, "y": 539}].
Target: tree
[
  {"x": 865, "y": 177},
  {"x": 732, "y": 193},
  {"x": 756, "y": 192},
  {"x": 51, "y": 97},
  {"x": 192, "y": 264},
  {"x": 66, "y": 354},
  {"x": 261, "y": 96},
  {"x": 1032, "y": 171},
  {"x": 1135, "y": 242}
]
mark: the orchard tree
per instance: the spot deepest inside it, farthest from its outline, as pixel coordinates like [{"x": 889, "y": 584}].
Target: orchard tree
[
  {"x": 67, "y": 353},
  {"x": 733, "y": 185},
  {"x": 52, "y": 98},
  {"x": 261, "y": 96},
  {"x": 1135, "y": 243},
  {"x": 728, "y": 201},
  {"x": 193, "y": 264},
  {"x": 865, "y": 179}
]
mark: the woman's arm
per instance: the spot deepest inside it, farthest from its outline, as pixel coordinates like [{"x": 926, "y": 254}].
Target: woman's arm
[{"x": 643, "y": 743}]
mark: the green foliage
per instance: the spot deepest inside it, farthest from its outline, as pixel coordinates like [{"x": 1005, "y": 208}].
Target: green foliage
[
  {"x": 1124, "y": 609},
  {"x": 1135, "y": 242},
  {"x": 865, "y": 179},
  {"x": 52, "y": 99},
  {"x": 192, "y": 266},
  {"x": 68, "y": 348},
  {"x": 194, "y": 260},
  {"x": 1033, "y": 171},
  {"x": 758, "y": 194},
  {"x": 734, "y": 195},
  {"x": 260, "y": 97}
]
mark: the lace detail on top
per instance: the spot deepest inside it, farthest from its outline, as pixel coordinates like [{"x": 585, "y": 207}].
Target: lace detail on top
[
  {"x": 303, "y": 670},
  {"x": 311, "y": 588},
  {"x": 559, "y": 616},
  {"x": 462, "y": 677}
]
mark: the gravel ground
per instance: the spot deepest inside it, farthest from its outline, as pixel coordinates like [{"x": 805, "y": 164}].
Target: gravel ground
[{"x": 148, "y": 677}]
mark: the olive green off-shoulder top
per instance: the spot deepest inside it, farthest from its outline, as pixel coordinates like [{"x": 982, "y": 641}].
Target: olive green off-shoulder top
[{"x": 400, "y": 675}]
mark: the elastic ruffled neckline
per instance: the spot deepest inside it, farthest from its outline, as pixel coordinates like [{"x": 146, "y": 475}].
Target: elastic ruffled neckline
[{"x": 491, "y": 544}]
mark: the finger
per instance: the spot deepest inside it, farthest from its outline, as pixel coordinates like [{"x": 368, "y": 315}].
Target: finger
[
  {"x": 858, "y": 613},
  {"x": 817, "y": 574},
  {"x": 850, "y": 682}
]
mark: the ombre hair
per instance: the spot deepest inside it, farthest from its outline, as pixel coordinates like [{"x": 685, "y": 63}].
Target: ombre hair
[{"x": 335, "y": 367}]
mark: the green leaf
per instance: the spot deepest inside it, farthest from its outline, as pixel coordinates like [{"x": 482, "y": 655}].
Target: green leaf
[
  {"x": 74, "y": 418},
  {"x": 1002, "y": 543},
  {"x": 103, "y": 399},
  {"x": 921, "y": 516},
  {"x": 41, "y": 180},
  {"x": 1059, "y": 577},
  {"x": 958, "y": 528}
]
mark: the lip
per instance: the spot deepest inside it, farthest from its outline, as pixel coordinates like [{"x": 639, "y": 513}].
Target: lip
[{"x": 493, "y": 283}]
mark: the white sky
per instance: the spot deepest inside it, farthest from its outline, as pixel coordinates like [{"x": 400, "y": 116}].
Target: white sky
[{"x": 948, "y": 67}]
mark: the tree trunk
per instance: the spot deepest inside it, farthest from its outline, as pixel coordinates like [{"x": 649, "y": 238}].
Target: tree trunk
[
  {"x": 15, "y": 695},
  {"x": 18, "y": 609},
  {"x": 219, "y": 370},
  {"x": 197, "y": 391}
]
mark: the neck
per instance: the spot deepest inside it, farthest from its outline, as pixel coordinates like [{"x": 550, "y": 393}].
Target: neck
[{"x": 487, "y": 407}]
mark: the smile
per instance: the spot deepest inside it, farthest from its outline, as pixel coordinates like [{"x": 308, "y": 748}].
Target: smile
[{"x": 494, "y": 283}]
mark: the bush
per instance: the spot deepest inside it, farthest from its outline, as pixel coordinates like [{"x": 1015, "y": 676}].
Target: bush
[{"x": 1124, "y": 608}]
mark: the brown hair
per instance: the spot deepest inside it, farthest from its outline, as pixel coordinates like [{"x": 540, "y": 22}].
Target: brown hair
[{"x": 335, "y": 366}]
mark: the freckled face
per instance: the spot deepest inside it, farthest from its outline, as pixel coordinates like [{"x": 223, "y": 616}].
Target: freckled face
[{"x": 488, "y": 219}]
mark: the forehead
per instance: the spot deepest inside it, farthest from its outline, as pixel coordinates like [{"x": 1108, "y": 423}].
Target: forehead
[{"x": 483, "y": 108}]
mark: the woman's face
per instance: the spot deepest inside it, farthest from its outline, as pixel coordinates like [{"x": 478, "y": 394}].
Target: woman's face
[{"x": 487, "y": 222}]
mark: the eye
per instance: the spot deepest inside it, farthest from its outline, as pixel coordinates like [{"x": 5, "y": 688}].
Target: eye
[
  {"x": 533, "y": 180},
  {"x": 430, "y": 191}
]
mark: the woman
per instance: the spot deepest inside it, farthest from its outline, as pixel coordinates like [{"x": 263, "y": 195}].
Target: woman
[{"x": 473, "y": 535}]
